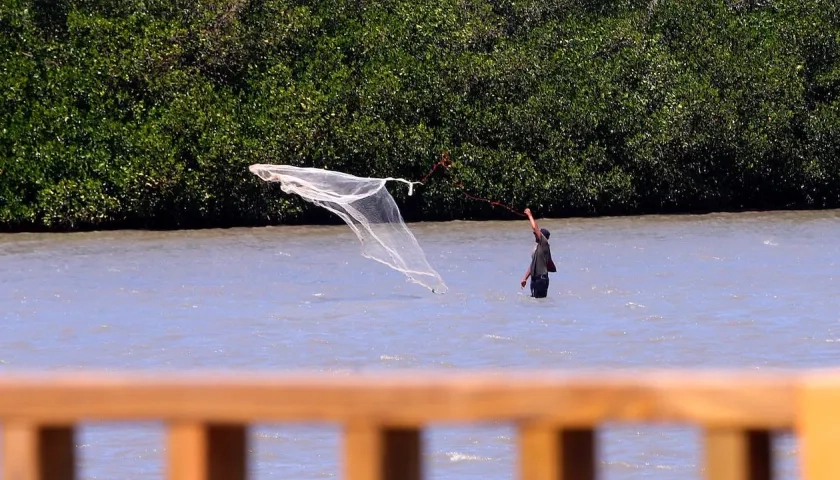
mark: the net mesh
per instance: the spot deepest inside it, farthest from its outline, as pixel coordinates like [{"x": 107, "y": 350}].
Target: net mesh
[{"x": 367, "y": 207}]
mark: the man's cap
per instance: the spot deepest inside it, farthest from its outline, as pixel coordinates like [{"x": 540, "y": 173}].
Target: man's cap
[{"x": 545, "y": 233}]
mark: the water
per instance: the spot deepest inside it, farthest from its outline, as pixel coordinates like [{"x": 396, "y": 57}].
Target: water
[{"x": 753, "y": 290}]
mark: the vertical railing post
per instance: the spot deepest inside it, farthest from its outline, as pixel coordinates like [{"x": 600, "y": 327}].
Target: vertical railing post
[
  {"x": 818, "y": 425},
  {"x": 549, "y": 452},
  {"x": 374, "y": 452},
  {"x": 207, "y": 452},
  {"x": 33, "y": 452},
  {"x": 737, "y": 454}
]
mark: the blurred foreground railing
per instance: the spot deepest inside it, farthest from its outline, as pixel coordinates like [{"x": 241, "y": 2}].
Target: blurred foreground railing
[{"x": 382, "y": 416}]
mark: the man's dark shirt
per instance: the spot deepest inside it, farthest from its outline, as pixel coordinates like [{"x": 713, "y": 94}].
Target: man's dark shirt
[{"x": 540, "y": 257}]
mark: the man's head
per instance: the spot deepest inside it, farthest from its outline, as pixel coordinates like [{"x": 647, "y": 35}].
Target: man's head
[{"x": 545, "y": 233}]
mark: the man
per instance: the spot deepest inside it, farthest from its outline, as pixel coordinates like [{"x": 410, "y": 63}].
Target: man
[{"x": 541, "y": 262}]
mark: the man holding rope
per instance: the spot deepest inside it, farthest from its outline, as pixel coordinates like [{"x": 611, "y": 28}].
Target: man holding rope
[{"x": 541, "y": 262}]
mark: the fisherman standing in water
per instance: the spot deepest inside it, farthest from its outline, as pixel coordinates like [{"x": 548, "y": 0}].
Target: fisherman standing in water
[{"x": 541, "y": 262}]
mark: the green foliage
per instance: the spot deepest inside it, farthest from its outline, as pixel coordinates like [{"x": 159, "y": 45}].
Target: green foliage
[{"x": 147, "y": 113}]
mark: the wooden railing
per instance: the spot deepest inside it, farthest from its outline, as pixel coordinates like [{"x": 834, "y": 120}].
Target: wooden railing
[{"x": 383, "y": 414}]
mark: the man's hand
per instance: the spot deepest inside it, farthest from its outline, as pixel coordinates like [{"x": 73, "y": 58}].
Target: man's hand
[
  {"x": 523, "y": 282},
  {"x": 528, "y": 212}
]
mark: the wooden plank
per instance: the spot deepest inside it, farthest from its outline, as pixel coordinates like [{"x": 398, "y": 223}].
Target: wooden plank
[
  {"x": 547, "y": 452},
  {"x": 373, "y": 452},
  {"x": 819, "y": 428},
  {"x": 207, "y": 452},
  {"x": 228, "y": 452},
  {"x": 733, "y": 454},
  {"x": 20, "y": 452},
  {"x": 57, "y": 453},
  {"x": 578, "y": 447},
  {"x": 744, "y": 400},
  {"x": 38, "y": 453},
  {"x": 363, "y": 451},
  {"x": 403, "y": 459},
  {"x": 187, "y": 451}
]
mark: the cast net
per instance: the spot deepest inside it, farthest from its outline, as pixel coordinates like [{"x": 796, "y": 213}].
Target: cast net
[{"x": 367, "y": 207}]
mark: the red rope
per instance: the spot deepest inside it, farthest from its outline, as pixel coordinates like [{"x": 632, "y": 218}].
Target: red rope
[
  {"x": 491, "y": 202},
  {"x": 445, "y": 162}
]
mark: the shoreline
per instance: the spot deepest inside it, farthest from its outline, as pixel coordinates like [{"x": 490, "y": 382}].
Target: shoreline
[{"x": 339, "y": 222}]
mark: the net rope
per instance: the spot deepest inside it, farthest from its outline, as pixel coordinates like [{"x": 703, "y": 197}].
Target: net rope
[{"x": 368, "y": 209}]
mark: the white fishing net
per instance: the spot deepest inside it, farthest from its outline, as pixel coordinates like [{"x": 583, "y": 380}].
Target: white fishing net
[{"x": 367, "y": 207}]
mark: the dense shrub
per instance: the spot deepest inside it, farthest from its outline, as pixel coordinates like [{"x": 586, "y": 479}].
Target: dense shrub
[{"x": 146, "y": 113}]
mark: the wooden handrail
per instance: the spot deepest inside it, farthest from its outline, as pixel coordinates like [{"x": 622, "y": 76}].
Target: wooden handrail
[
  {"x": 556, "y": 414},
  {"x": 417, "y": 398}
]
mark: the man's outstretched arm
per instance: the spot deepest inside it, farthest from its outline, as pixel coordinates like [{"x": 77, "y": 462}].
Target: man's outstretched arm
[{"x": 534, "y": 226}]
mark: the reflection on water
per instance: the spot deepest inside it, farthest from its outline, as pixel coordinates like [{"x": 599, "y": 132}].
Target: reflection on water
[{"x": 726, "y": 290}]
